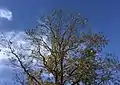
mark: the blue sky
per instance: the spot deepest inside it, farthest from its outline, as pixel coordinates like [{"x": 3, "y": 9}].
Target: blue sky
[{"x": 103, "y": 15}]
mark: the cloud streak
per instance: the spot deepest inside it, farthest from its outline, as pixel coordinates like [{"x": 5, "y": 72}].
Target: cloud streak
[{"x": 5, "y": 14}]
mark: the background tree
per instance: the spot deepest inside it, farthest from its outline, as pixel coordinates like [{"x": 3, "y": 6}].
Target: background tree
[{"x": 59, "y": 46}]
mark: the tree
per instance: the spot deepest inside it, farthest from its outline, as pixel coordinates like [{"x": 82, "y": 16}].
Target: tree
[{"x": 59, "y": 46}]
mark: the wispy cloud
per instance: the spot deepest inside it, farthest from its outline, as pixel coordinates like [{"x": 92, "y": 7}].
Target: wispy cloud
[
  {"x": 18, "y": 39},
  {"x": 5, "y": 13}
]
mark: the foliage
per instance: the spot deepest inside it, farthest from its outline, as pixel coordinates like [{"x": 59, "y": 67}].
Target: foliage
[{"x": 59, "y": 46}]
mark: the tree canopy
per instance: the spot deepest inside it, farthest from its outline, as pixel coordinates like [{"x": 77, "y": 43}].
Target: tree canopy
[{"x": 59, "y": 47}]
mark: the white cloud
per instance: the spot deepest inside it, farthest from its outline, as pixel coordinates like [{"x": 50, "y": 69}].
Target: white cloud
[
  {"x": 5, "y": 13},
  {"x": 18, "y": 40}
]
